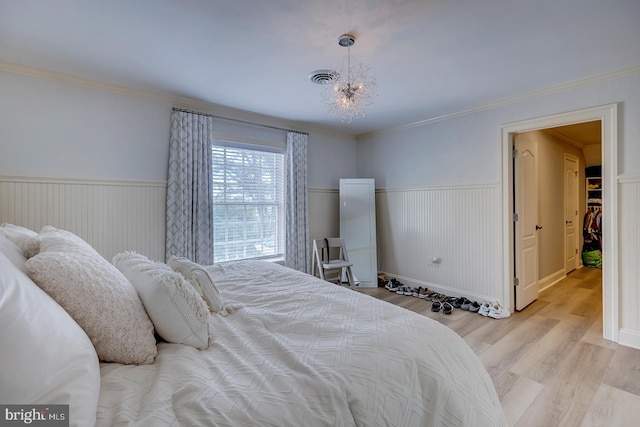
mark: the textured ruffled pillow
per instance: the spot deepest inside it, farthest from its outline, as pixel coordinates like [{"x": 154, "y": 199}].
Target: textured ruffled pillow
[
  {"x": 96, "y": 295},
  {"x": 201, "y": 281},
  {"x": 51, "y": 239},
  {"x": 178, "y": 313}
]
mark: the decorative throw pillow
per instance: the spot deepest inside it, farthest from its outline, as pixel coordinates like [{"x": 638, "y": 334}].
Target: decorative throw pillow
[
  {"x": 96, "y": 295},
  {"x": 31, "y": 246},
  {"x": 51, "y": 239},
  {"x": 46, "y": 357},
  {"x": 179, "y": 314},
  {"x": 201, "y": 279}
]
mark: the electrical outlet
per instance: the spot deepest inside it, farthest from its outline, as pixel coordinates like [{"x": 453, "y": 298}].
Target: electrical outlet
[{"x": 434, "y": 261}]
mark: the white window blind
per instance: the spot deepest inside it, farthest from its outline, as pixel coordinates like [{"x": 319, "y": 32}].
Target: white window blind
[{"x": 248, "y": 203}]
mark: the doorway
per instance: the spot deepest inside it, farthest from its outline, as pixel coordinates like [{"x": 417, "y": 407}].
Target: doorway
[
  {"x": 607, "y": 115},
  {"x": 550, "y": 200}
]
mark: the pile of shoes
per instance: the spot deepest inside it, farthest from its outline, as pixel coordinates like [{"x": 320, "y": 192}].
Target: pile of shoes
[
  {"x": 446, "y": 303},
  {"x": 392, "y": 285},
  {"x": 493, "y": 309},
  {"x": 382, "y": 280}
]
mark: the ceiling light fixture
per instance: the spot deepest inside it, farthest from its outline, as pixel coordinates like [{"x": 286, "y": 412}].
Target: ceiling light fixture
[{"x": 348, "y": 91}]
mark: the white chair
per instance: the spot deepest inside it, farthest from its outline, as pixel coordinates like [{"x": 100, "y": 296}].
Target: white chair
[{"x": 323, "y": 262}]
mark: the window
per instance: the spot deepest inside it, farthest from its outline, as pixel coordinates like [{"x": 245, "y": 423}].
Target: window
[{"x": 248, "y": 203}]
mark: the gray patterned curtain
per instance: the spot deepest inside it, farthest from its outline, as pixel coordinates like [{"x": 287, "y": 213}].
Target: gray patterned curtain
[
  {"x": 296, "y": 217},
  {"x": 189, "y": 190}
]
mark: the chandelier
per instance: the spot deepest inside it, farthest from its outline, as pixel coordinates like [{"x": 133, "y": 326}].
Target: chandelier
[{"x": 348, "y": 91}]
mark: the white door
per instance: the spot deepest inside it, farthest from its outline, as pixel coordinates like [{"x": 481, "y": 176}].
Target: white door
[
  {"x": 526, "y": 226},
  {"x": 571, "y": 212}
]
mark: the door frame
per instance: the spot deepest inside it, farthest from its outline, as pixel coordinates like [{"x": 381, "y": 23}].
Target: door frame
[{"x": 608, "y": 116}]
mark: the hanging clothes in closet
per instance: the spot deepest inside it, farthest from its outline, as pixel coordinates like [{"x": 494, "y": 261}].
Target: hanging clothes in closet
[{"x": 592, "y": 233}]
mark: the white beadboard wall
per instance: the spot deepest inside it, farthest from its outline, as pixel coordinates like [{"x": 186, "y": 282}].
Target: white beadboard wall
[
  {"x": 629, "y": 262},
  {"x": 458, "y": 224},
  {"x": 112, "y": 216}
]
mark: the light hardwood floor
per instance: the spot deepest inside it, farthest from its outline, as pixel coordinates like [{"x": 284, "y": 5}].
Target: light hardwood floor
[{"x": 549, "y": 362}]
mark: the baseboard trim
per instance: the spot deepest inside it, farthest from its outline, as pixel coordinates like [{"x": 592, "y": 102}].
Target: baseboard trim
[
  {"x": 551, "y": 280},
  {"x": 629, "y": 338}
]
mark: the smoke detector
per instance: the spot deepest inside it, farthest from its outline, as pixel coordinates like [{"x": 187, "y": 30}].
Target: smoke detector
[{"x": 323, "y": 77}]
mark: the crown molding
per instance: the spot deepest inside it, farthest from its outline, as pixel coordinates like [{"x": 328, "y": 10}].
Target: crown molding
[
  {"x": 175, "y": 101},
  {"x": 263, "y": 119},
  {"x": 563, "y": 138},
  {"x": 537, "y": 93}
]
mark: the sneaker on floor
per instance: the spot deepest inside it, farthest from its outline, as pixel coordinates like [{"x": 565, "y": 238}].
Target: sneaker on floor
[
  {"x": 443, "y": 298},
  {"x": 393, "y": 285},
  {"x": 382, "y": 281},
  {"x": 498, "y": 312},
  {"x": 408, "y": 291},
  {"x": 457, "y": 302},
  {"x": 423, "y": 293},
  {"x": 447, "y": 308},
  {"x": 485, "y": 308},
  {"x": 473, "y": 306}
]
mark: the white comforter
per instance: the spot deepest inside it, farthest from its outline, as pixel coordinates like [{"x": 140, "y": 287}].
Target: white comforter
[{"x": 303, "y": 352}]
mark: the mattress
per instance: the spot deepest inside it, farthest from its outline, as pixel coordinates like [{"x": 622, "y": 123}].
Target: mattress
[{"x": 298, "y": 351}]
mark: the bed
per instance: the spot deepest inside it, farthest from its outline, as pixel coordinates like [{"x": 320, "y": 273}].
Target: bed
[{"x": 287, "y": 349}]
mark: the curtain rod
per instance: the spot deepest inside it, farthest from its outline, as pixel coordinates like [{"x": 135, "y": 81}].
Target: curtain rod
[{"x": 184, "y": 110}]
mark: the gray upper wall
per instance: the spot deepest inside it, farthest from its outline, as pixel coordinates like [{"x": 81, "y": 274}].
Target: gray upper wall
[
  {"x": 466, "y": 149},
  {"x": 62, "y": 130}
]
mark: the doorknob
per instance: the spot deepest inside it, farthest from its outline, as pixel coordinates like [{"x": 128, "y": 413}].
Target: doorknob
[{"x": 538, "y": 227}]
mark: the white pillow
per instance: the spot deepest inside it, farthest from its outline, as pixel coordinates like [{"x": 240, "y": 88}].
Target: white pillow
[
  {"x": 200, "y": 278},
  {"x": 18, "y": 235},
  {"x": 96, "y": 295},
  {"x": 179, "y": 314},
  {"x": 46, "y": 357},
  {"x": 13, "y": 252}
]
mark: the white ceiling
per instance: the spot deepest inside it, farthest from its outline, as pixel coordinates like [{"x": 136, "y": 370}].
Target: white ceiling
[
  {"x": 581, "y": 134},
  {"x": 429, "y": 57}
]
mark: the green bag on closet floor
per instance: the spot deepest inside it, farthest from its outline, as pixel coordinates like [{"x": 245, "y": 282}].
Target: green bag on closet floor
[{"x": 592, "y": 259}]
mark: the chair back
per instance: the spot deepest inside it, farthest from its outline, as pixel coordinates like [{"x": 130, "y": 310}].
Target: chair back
[{"x": 322, "y": 249}]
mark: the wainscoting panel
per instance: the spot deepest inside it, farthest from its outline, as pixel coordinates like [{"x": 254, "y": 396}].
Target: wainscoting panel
[
  {"x": 629, "y": 254},
  {"x": 112, "y": 216},
  {"x": 459, "y": 226}
]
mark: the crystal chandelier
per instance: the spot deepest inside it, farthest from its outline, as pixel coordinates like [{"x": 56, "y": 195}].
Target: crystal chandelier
[{"x": 348, "y": 91}]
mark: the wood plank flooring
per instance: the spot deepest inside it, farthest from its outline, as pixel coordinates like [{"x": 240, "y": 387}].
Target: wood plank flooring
[{"x": 549, "y": 363}]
